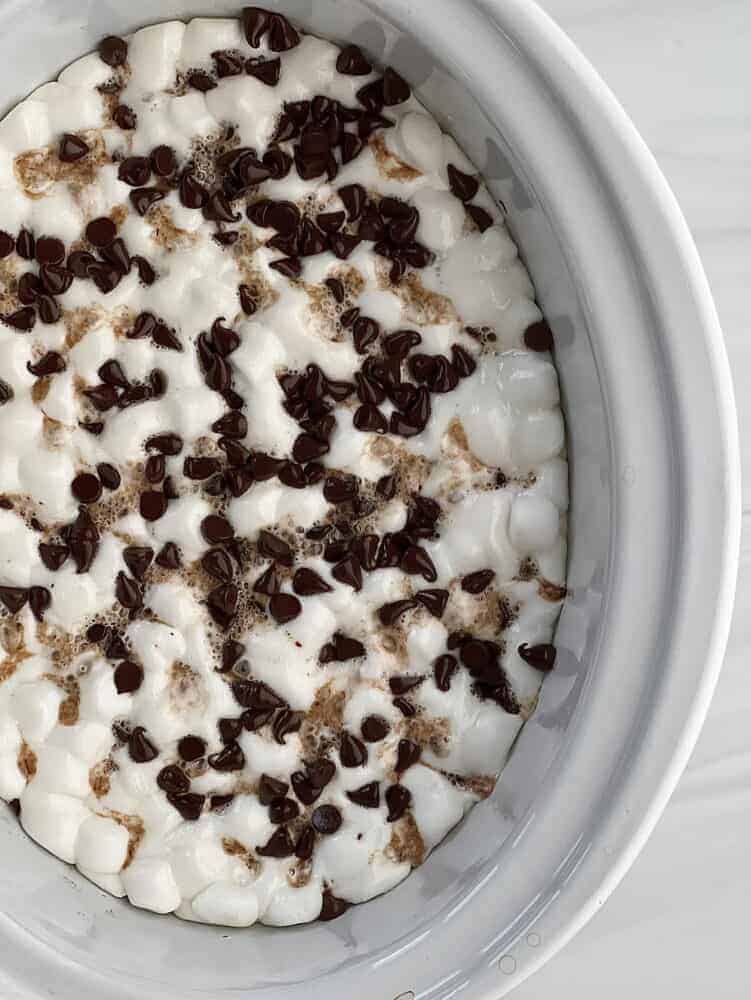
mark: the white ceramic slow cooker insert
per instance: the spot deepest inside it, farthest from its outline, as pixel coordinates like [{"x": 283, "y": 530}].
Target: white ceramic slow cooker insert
[{"x": 654, "y": 532}]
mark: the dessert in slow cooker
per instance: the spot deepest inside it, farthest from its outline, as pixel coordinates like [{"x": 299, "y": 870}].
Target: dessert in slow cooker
[{"x": 282, "y": 474}]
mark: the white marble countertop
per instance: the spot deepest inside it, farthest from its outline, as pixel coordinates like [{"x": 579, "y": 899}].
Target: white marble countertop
[{"x": 677, "y": 926}]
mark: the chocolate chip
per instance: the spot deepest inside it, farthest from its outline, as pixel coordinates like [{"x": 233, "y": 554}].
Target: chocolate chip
[
  {"x": 475, "y": 583},
  {"x": 152, "y": 505},
  {"x": 124, "y": 117},
  {"x": 6, "y": 394},
  {"x": 49, "y": 250},
  {"x": 279, "y": 845},
  {"x": 368, "y": 796},
  {"x": 231, "y": 758},
  {"x": 265, "y": 70},
  {"x": 341, "y": 649},
  {"x": 255, "y": 23},
  {"x": 416, "y": 562},
  {"x": 268, "y": 582},
  {"x": 218, "y": 803},
  {"x": 462, "y": 361},
  {"x": 217, "y": 563},
  {"x": 14, "y": 598},
  {"x": 108, "y": 475},
  {"x": 307, "y": 582},
  {"x": 138, "y": 558},
  {"x": 229, "y": 729},
  {"x": 53, "y": 556},
  {"x": 286, "y": 721},
  {"x": 140, "y": 747},
  {"x": 352, "y": 62},
  {"x": 408, "y": 753},
  {"x": 49, "y": 310},
  {"x": 304, "y": 789},
  {"x": 39, "y": 600},
  {"x": 103, "y": 397},
  {"x": 277, "y": 162},
  {"x": 201, "y": 81},
  {"x": 155, "y": 468},
  {"x": 352, "y": 751},
  {"x": 368, "y": 418},
  {"x": 173, "y": 779},
  {"x": 144, "y": 197},
  {"x": 305, "y": 844},
  {"x": 168, "y": 556},
  {"x": 284, "y": 608},
  {"x": 463, "y": 186},
  {"x": 101, "y": 231},
  {"x": 444, "y": 668},
  {"x": 190, "y": 804},
  {"x": 222, "y": 604},
  {"x": 371, "y": 95},
  {"x": 275, "y": 548},
  {"x": 192, "y": 194},
  {"x": 482, "y": 219},
  {"x": 128, "y": 592},
  {"x": 22, "y": 319},
  {"x": 433, "y": 600},
  {"x": 282, "y": 810},
  {"x": 49, "y": 364},
  {"x": 290, "y": 267},
  {"x": 114, "y": 647},
  {"x": 365, "y": 331},
  {"x": 29, "y": 288},
  {"x": 191, "y": 748},
  {"x": 349, "y": 572},
  {"x": 26, "y": 245},
  {"x": 86, "y": 487},
  {"x": 282, "y": 36},
  {"x": 167, "y": 444},
  {"x": 7, "y": 244},
  {"x": 270, "y": 789},
  {"x": 389, "y": 614},
  {"x": 398, "y": 800},
  {"x": 541, "y": 656},
  {"x": 216, "y": 529},
  {"x": 71, "y": 148},
  {"x": 539, "y": 337},
  {"x": 227, "y": 63},
  {"x": 134, "y": 171},
  {"x": 332, "y": 907},
  {"x": 163, "y": 161},
  {"x": 113, "y": 50},
  {"x": 326, "y": 819}
]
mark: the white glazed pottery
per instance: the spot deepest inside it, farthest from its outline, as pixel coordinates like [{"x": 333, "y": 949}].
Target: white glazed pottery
[{"x": 654, "y": 537}]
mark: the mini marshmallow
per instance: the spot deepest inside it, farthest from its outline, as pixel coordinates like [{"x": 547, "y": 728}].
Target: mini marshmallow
[
  {"x": 52, "y": 820},
  {"x": 151, "y": 885},
  {"x": 101, "y": 845},
  {"x": 226, "y": 904}
]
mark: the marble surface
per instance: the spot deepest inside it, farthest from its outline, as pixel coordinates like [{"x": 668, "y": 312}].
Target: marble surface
[{"x": 677, "y": 925}]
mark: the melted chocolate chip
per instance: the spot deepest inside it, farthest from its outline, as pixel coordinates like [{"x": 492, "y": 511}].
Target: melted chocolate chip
[
  {"x": 433, "y": 600},
  {"x": 39, "y": 600},
  {"x": 268, "y": 582},
  {"x": 270, "y": 789},
  {"x": 274, "y": 548},
  {"x": 7, "y": 244},
  {"x": 169, "y": 556},
  {"x": 349, "y": 572},
  {"x": 282, "y": 810},
  {"x": 152, "y": 505},
  {"x": 22, "y": 319},
  {"x": 482, "y": 219},
  {"x": 135, "y": 171},
  {"x": 286, "y": 721},
  {"x": 216, "y": 529},
  {"x": 395, "y": 88},
  {"x": 14, "y": 598},
  {"x": 128, "y": 592},
  {"x": 155, "y": 468},
  {"x": 304, "y": 789},
  {"x": 144, "y": 197},
  {"x": 219, "y": 803},
  {"x": 101, "y": 231},
  {"x": 222, "y": 604}
]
